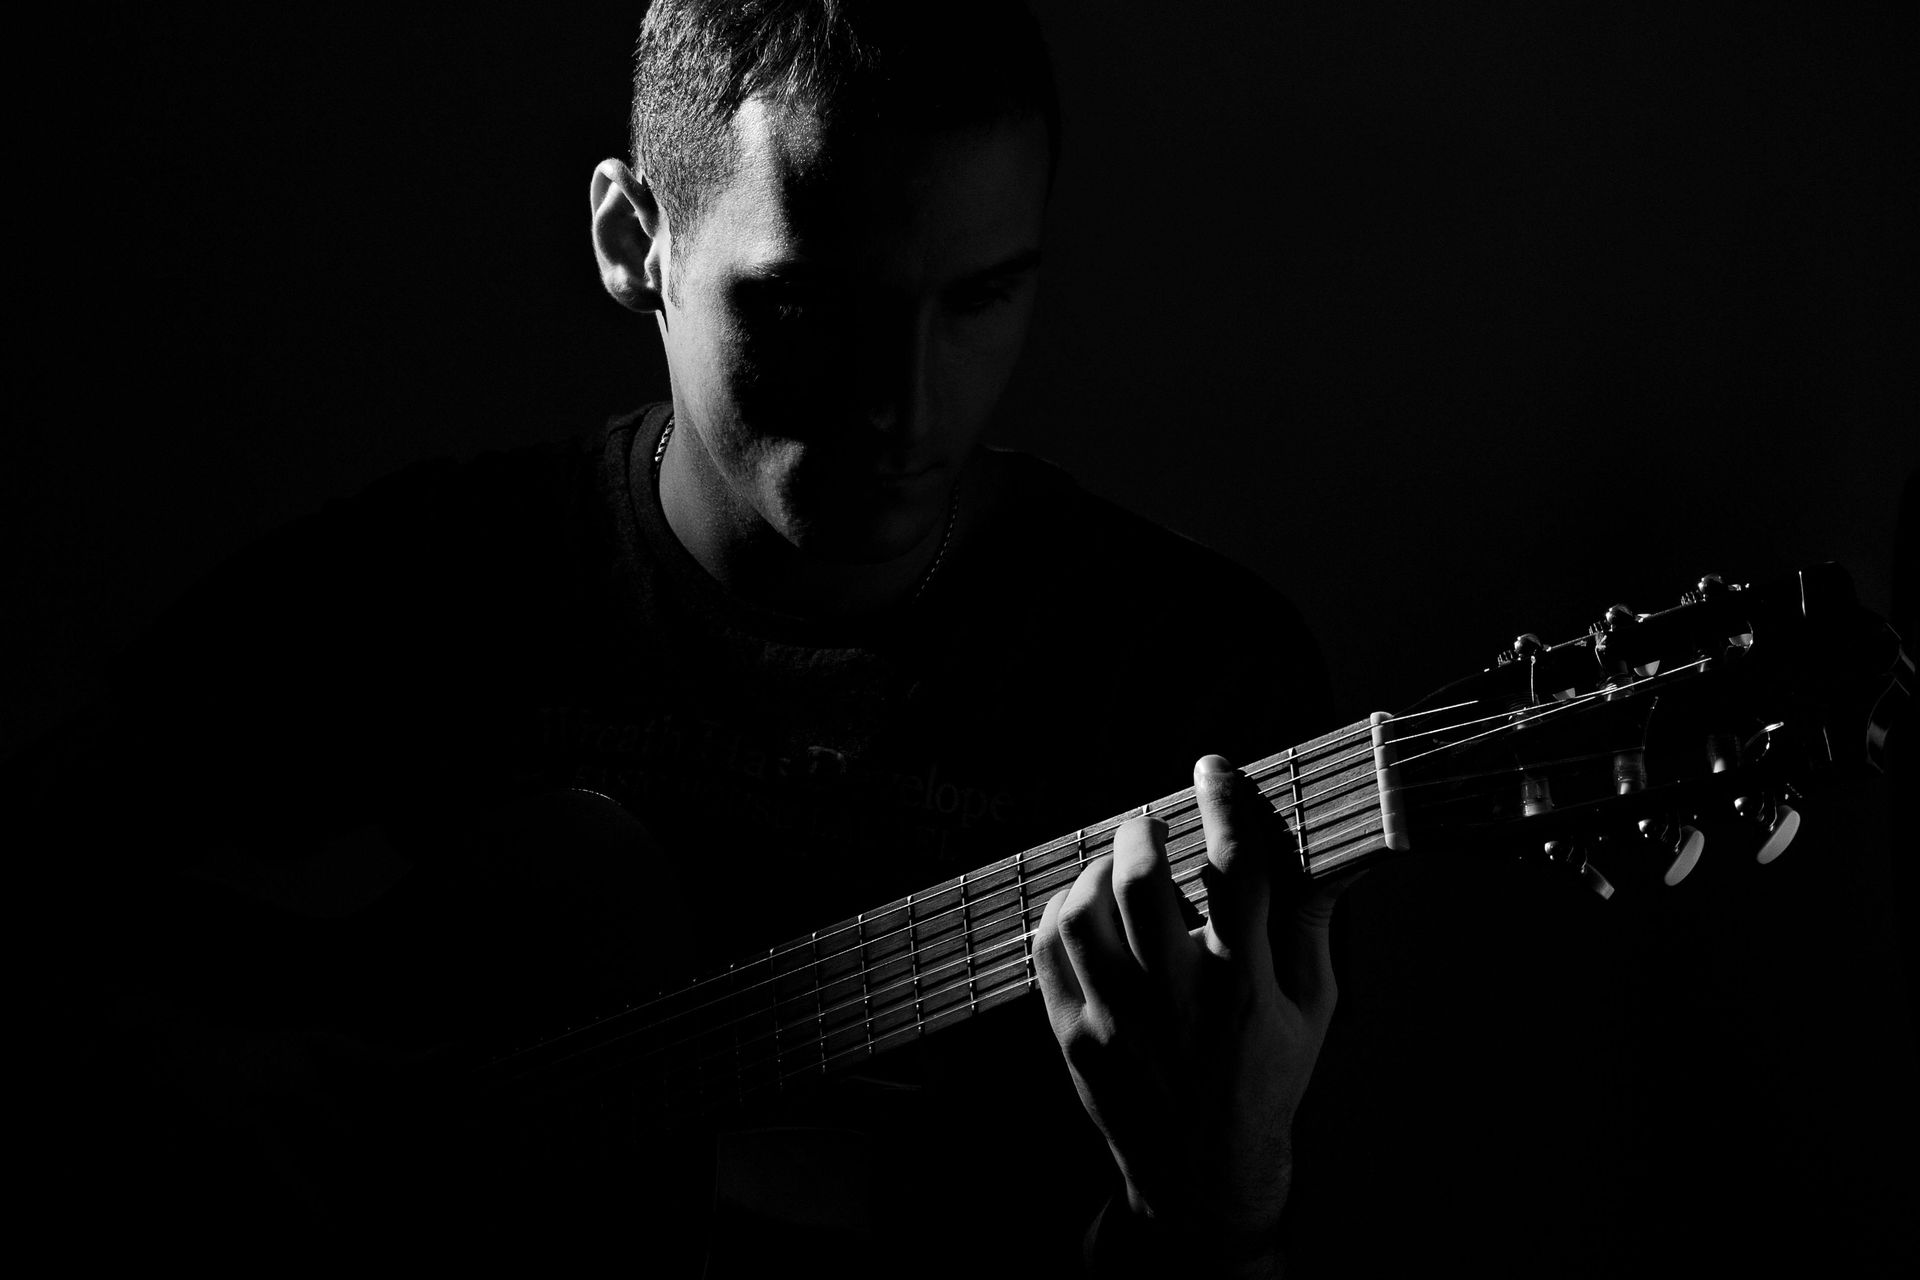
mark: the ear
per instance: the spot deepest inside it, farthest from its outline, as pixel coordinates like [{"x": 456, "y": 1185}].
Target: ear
[{"x": 629, "y": 237}]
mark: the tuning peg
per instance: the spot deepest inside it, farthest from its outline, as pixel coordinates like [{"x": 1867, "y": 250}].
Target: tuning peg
[
  {"x": 1781, "y": 822},
  {"x": 1536, "y": 799},
  {"x": 1569, "y": 856},
  {"x": 1590, "y": 875},
  {"x": 1680, "y": 846}
]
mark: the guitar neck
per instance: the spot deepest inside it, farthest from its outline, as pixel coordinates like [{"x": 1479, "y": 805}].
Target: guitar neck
[{"x": 835, "y": 997}]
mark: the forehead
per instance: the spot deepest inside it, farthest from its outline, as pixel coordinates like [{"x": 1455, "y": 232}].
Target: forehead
[{"x": 904, "y": 206}]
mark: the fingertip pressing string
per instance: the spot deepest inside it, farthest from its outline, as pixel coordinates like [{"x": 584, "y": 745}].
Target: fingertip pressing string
[{"x": 1036, "y": 873}]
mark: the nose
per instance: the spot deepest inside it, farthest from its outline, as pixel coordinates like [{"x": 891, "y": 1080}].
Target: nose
[{"x": 896, "y": 376}]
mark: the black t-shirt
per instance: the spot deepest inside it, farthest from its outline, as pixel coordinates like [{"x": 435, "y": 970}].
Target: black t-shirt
[{"x": 312, "y": 754}]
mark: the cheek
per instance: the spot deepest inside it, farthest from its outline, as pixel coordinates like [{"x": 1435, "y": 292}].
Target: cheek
[
  {"x": 979, "y": 357},
  {"x": 777, "y": 363}
]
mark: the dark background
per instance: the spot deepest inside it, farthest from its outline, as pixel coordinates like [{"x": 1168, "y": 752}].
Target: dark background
[{"x": 1452, "y": 321}]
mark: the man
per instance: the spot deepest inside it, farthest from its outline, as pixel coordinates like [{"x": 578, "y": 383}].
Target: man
[
  {"x": 841, "y": 304},
  {"x": 822, "y": 644}
]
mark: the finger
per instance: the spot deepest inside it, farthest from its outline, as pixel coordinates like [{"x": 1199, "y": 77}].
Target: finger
[
  {"x": 1239, "y": 891},
  {"x": 1303, "y": 946},
  {"x": 1149, "y": 904},
  {"x": 1095, "y": 943},
  {"x": 1058, "y": 987}
]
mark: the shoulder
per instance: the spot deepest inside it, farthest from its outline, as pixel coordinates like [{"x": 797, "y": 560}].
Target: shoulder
[
  {"x": 386, "y": 619},
  {"x": 1129, "y": 610},
  {"x": 411, "y": 543},
  {"x": 1078, "y": 550}
]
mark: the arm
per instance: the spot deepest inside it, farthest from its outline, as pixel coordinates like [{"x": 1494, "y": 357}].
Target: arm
[{"x": 1190, "y": 1049}]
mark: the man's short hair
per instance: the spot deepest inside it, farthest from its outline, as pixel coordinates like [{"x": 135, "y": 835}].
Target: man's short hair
[{"x": 855, "y": 64}]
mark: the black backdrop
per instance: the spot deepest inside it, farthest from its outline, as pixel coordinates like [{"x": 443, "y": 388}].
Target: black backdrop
[{"x": 1453, "y": 321}]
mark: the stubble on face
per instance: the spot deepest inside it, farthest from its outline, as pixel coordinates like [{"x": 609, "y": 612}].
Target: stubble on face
[{"x": 820, "y": 360}]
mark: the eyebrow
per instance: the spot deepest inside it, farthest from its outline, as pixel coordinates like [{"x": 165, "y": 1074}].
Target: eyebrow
[{"x": 780, "y": 271}]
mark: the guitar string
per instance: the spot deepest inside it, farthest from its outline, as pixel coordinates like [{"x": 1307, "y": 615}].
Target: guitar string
[
  {"x": 1069, "y": 849},
  {"x": 1026, "y": 868},
  {"x": 1636, "y": 686},
  {"x": 1178, "y": 808},
  {"x": 1076, "y": 855},
  {"x": 926, "y": 985},
  {"x": 912, "y": 985},
  {"x": 921, "y": 1023},
  {"x": 819, "y": 1036},
  {"x": 918, "y": 985},
  {"x": 921, "y": 985},
  {"x": 911, "y": 955},
  {"x": 1289, "y": 759},
  {"x": 1178, "y": 804},
  {"x": 1071, "y": 868},
  {"x": 1189, "y": 846},
  {"x": 1175, "y": 805},
  {"x": 739, "y": 1087}
]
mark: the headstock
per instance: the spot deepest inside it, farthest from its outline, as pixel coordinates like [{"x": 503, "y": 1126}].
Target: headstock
[{"x": 1617, "y": 754}]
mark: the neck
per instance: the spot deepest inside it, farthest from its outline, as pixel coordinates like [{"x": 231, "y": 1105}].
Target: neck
[
  {"x": 937, "y": 956},
  {"x": 736, "y": 545}
]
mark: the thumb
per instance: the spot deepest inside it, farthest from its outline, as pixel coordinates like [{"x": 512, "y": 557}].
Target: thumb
[{"x": 1302, "y": 943}]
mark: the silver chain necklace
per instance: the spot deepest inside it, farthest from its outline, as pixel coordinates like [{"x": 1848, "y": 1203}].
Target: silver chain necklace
[{"x": 926, "y": 576}]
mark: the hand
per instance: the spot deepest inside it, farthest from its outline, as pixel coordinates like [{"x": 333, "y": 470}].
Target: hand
[{"x": 1191, "y": 1048}]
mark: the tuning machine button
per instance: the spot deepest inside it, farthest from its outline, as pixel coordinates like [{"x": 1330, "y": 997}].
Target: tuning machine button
[
  {"x": 1570, "y": 856},
  {"x": 1562, "y": 854},
  {"x": 1679, "y": 845},
  {"x": 1780, "y": 821},
  {"x": 1591, "y": 877}
]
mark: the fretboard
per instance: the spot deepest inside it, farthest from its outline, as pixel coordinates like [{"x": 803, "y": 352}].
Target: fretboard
[{"x": 837, "y": 996}]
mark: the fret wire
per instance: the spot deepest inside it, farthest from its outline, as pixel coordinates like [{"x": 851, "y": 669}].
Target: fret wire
[
  {"x": 1307, "y": 824},
  {"x": 922, "y": 997},
  {"x": 912, "y": 954},
  {"x": 1020, "y": 890},
  {"x": 866, "y": 992},
  {"x": 1186, "y": 881},
  {"x": 819, "y": 992},
  {"x": 1189, "y": 883},
  {"x": 1299, "y": 815},
  {"x": 912, "y": 986},
  {"x": 1177, "y": 854},
  {"x": 773, "y": 1008},
  {"x": 966, "y": 935},
  {"x": 913, "y": 959},
  {"x": 1178, "y": 805},
  {"x": 952, "y": 1012},
  {"x": 739, "y": 1074}
]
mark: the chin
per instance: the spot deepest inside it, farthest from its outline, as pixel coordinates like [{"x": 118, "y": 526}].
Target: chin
[{"x": 871, "y": 537}]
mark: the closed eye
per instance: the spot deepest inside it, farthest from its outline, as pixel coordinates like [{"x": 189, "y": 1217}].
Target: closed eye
[
  {"x": 974, "y": 300},
  {"x": 784, "y": 301}
]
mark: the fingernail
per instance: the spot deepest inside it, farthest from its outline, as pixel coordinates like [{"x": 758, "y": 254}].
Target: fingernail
[{"x": 1213, "y": 764}]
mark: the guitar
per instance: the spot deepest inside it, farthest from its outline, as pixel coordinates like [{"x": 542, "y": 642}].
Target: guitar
[{"x": 1609, "y": 757}]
